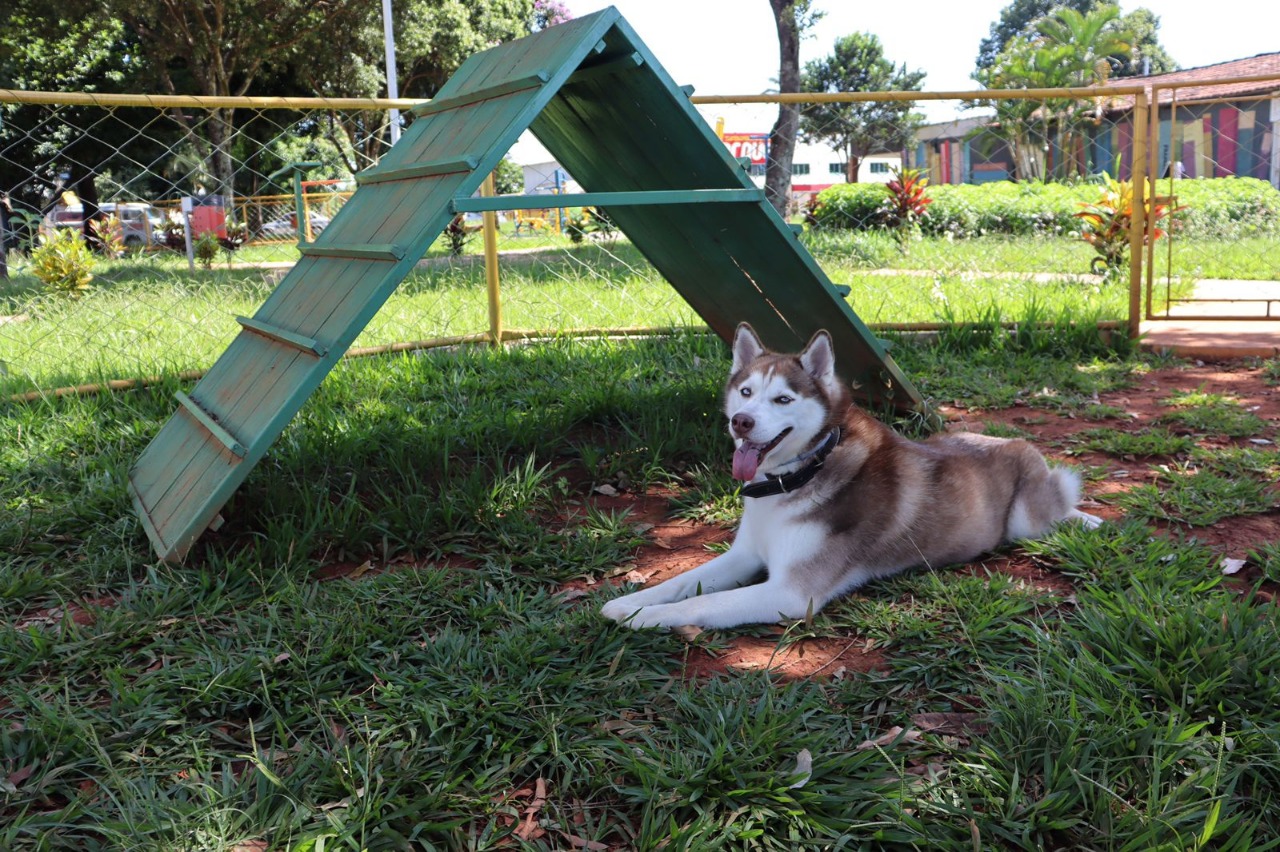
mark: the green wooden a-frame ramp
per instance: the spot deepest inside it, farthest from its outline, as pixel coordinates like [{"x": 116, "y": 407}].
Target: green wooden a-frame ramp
[{"x": 599, "y": 102}]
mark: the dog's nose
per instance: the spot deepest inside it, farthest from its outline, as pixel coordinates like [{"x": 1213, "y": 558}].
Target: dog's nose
[{"x": 743, "y": 423}]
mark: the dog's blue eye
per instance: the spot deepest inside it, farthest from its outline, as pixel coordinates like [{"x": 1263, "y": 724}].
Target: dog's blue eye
[
  {"x": 745, "y": 391},
  {"x": 783, "y": 400}
]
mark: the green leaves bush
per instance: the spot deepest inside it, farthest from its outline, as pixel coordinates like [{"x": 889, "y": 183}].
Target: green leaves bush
[
  {"x": 1225, "y": 207},
  {"x": 63, "y": 262}
]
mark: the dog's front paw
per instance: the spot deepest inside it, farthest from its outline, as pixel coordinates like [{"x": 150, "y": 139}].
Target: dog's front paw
[
  {"x": 639, "y": 616},
  {"x": 619, "y": 609}
]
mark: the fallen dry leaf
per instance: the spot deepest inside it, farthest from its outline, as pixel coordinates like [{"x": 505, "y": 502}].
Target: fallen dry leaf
[
  {"x": 687, "y": 632},
  {"x": 1231, "y": 566},
  {"x": 529, "y": 828},
  {"x": 583, "y": 843},
  {"x": 889, "y": 737},
  {"x": 804, "y": 769},
  {"x": 949, "y": 723}
]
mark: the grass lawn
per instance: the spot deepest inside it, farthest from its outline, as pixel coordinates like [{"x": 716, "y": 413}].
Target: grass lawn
[
  {"x": 146, "y": 316},
  {"x": 394, "y": 641}
]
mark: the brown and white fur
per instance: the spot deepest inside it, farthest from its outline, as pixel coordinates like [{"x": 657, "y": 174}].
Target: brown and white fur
[{"x": 879, "y": 504}]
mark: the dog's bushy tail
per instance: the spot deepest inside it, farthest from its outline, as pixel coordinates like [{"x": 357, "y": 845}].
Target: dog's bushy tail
[{"x": 1069, "y": 486}]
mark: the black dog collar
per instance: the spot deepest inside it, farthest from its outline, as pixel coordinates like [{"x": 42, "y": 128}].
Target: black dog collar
[{"x": 788, "y": 482}]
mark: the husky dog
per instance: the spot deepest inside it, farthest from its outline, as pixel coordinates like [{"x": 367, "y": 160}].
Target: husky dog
[{"x": 834, "y": 498}]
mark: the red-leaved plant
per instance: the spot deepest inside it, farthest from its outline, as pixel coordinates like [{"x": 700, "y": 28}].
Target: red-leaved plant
[
  {"x": 906, "y": 205},
  {"x": 1106, "y": 224}
]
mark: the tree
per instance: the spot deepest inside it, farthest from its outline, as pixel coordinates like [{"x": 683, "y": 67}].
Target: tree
[
  {"x": 1142, "y": 30},
  {"x": 1084, "y": 43},
  {"x": 508, "y": 178},
  {"x": 1023, "y": 64},
  {"x": 792, "y": 19},
  {"x": 1064, "y": 49},
  {"x": 41, "y": 48},
  {"x": 864, "y": 127},
  {"x": 1018, "y": 19},
  {"x": 433, "y": 37}
]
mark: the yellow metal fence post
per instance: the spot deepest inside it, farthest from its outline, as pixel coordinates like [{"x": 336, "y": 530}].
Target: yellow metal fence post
[
  {"x": 1137, "y": 214},
  {"x": 1153, "y": 175},
  {"x": 490, "y": 219}
]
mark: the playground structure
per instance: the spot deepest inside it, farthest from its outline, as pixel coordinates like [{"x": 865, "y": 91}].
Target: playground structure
[{"x": 583, "y": 88}]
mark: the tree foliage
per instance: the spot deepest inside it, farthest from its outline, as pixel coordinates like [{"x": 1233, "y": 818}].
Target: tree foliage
[
  {"x": 1022, "y": 17},
  {"x": 1065, "y": 48},
  {"x": 858, "y": 64},
  {"x": 221, "y": 48}
]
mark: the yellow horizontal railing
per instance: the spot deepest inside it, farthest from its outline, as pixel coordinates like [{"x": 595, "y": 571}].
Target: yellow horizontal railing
[{"x": 165, "y": 101}]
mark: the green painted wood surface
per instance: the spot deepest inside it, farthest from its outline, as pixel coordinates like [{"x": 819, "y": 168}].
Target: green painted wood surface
[
  {"x": 610, "y": 199},
  {"x": 608, "y": 112}
]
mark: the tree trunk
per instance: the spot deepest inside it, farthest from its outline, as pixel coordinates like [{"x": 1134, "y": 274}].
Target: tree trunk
[
  {"x": 221, "y": 130},
  {"x": 852, "y": 163},
  {"x": 782, "y": 138},
  {"x": 86, "y": 189}
]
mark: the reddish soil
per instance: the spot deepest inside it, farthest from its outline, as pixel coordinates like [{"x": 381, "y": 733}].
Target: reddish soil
[{"x": 675, "y": 546}]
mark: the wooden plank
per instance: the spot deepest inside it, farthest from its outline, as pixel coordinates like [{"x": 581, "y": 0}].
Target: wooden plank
[
  {"x": 367, "y": 251},
  {"x": 510, "y": 87},
  {"x": 211, "y": 425},
  {"x": 280, "y": 335},
  {"x": 609, "y": 199},
  {"x": 445, "y": 167}
]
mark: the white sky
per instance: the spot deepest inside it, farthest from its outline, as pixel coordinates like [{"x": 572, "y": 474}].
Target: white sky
[{"x": 730, "y": 47}]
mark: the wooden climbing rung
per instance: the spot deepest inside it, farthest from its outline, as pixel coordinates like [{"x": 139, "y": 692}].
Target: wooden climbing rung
[
  {"x": 487, "y": 93},
  {"x": 356, "y": 251},
  {"x": 422, "y": 170},
  {"x": 212, "y": 426},
  {"x": 280, "y": 335}
]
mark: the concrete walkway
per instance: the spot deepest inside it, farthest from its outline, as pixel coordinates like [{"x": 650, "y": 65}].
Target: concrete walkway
[{"x": 1220, "y": 338}]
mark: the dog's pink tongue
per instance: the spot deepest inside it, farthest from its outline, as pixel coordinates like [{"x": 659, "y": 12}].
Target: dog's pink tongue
[{"x": 746, "y": 459}]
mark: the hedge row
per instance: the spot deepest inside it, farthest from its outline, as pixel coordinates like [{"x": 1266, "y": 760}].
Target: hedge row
[{"x": 1225, "y": 207}]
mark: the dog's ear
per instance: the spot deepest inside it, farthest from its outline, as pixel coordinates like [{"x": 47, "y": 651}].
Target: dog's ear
[
  {"x": 746, "y": 346},
  {"x": 818, "y": 358}
]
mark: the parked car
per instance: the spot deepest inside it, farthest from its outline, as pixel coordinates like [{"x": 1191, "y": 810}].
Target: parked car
[
  {"x": 285, "y": 226},
  {"x": 140, "y": 223}
]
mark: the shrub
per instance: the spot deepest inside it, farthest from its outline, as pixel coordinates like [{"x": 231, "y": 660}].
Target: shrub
[
  {"x": 1214, "y": 208},
  {"x": 853, "y": 206},
  {"x": 1106, "y": 223},
  {"x": 577, "y": 226},
  {"x": 110, "y": 236},
  {"x": 1223, "y": 207},
  {"x": 62, "y": 262},
  {"x": 457, "y": 235},
  {"x": 906, "y": 205},
  {"x": 206, "y": 248}
]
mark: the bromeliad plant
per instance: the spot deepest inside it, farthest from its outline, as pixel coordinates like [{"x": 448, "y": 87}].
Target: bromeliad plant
[
  {"x": 906, "y": 205},
  {"x": 1106, "y": 224}
]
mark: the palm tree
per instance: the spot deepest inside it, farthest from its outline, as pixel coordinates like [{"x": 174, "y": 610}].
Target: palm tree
[{"x": 1084, "y": 45}]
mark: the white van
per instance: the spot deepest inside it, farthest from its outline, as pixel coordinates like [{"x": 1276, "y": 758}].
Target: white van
[{"x": 140, "y": 223}]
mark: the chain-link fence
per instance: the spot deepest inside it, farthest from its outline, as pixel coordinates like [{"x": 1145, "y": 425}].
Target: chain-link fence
[{"x": 1020, "y": 208}]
